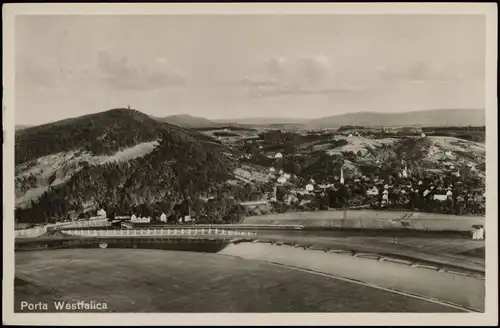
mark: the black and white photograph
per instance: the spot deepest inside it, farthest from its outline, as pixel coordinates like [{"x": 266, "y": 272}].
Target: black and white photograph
[{"x": 203, "y": 162}]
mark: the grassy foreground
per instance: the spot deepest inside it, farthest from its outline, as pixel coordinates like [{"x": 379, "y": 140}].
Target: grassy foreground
[{"x": 168, "y": 281}]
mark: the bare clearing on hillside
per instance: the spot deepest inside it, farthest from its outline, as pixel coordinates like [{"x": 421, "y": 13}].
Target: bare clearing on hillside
[
  {"x": 248, "y": 174},
  {"x": 455, "y": 144},
  {"x": 362, "y": 144},
  {"x": 55, "y": 169}
]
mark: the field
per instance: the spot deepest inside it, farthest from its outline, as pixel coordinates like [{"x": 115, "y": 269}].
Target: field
[
  {"x": 165, "y": 281},
  {"x": 366, "y": 219}
]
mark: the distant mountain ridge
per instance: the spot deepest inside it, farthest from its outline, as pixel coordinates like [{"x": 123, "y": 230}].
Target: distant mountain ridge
[
  {"x": 188, "y": 121},
  {"x": 436, "y": 117},
  {"x": 263, "y": 120}
]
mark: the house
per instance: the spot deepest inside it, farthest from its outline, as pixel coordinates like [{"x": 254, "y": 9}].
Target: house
[
  {"x": 441, "y": 198},
  {"x": 135, "y": 219},
  {"x": 281, "y": 180},
  {"x": 101, "y": 214},
  {"x": 477, "y": 232}
]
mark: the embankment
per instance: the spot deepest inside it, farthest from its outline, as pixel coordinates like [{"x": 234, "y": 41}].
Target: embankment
[
  {"x": 447, "y": 287},
  {"x": 367, "y": 219}
]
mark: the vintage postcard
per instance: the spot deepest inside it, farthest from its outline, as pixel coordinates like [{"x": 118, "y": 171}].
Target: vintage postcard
[{"x": 250, "y": 164}]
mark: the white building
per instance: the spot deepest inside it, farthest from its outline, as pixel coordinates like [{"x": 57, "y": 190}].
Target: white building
[
  {"x": 405, "y": 173},
  {"x": 385, "y": 196},
  {"x": 372, "y": 192},
  {"x": 141, "y": 219},
  {"x": 101, "y": 214},
  {"x": 478, "y": 233},
  {"x": 441, "y": 198},
  {"x": 163, "y": 217},
  {"x": 281, "y": 180}
]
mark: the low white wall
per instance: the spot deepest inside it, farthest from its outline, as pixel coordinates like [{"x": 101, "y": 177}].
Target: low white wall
[{"x": 159, "y": 232}]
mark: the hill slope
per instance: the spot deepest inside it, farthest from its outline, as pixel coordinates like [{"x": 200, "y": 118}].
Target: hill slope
[
  {"x": 117, "y": 159},
  {"x": 21, "y": 127},
  {"x": 441, "y": 117}
]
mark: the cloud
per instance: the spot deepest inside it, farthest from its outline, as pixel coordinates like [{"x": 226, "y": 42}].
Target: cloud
[
  {"x": 419, "y": 72},
  {"x": 313, "y": 70},
  {"x": 120, "y": 73},
  {"x": 306, "y": 75}
]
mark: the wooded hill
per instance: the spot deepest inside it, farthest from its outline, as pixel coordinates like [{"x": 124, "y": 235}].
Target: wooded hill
[{"x": 183, "y": 165}]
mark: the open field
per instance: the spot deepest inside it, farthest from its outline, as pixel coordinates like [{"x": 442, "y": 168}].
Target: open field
[{"x": 164, "y": 281}]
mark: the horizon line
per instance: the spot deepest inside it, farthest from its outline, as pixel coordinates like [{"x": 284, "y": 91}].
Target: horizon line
[{"x": 228, "y": 120}]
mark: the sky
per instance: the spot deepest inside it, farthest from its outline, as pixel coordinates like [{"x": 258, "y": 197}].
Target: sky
[{"x": 235, "y": 66}]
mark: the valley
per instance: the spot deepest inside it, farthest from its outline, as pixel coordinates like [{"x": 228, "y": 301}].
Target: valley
[{"x": 127, "y": 162}]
